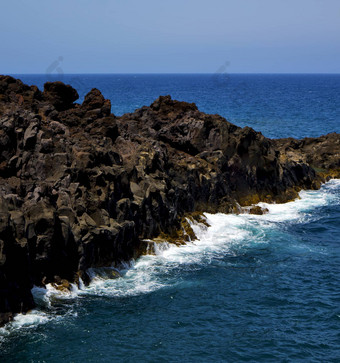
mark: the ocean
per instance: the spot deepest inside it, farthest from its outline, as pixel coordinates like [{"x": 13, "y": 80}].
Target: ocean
[{"x": 251, "y": 289}]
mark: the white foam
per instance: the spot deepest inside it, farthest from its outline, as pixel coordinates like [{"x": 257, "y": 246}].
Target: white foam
[
  {"x": 299, "y": 209},
  {"x": 148, "y": 272},
  {"x": 24, "y": 321},
  {"x": 34, "y": 317},
  {"x": 44, "y": 298},
  {"x": 47, "y": 296},
  {"x": 227, "y": 232}
]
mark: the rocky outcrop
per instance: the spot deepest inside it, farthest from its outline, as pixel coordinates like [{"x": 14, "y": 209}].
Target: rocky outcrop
[
  {"x": 321, "y": 153},
  {"x": 59, "y": 95},
  {"x": 81, "y": 188}
]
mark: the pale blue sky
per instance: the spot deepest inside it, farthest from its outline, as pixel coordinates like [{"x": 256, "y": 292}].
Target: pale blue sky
[{"x": 190, "y": 36}]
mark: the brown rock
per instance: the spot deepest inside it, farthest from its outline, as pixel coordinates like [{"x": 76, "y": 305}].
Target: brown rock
[{"x": 258, "y": 210}]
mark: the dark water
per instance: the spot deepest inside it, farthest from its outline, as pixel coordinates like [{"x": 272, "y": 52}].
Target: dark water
[{"x": 253, "y": 288}]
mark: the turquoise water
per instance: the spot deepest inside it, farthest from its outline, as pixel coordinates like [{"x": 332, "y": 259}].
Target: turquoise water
[{"x": 253, "y": 288}]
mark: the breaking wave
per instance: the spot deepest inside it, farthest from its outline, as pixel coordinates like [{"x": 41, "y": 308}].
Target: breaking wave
[{"x": 228, "y": 234}]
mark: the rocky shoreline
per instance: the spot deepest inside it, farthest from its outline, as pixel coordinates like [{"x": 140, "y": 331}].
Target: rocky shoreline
[{"x": 81, "y": 188}]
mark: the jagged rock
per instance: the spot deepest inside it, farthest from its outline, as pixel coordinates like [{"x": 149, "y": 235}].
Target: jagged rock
[
  {"x": 61, "y": 284},
  {"x": 81, "y": 188},
  {"x": 258, "y": 210},
  {"x": 94, "y": 100},
  {"x": 58, "y": 94},
  {"x": 30, "y": 136}
]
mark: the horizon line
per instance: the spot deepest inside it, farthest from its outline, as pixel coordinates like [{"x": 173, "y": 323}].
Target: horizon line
[{"x": 176, "y": 73}]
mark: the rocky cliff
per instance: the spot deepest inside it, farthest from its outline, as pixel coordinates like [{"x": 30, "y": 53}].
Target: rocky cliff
[{"x": 81, "y": 188}]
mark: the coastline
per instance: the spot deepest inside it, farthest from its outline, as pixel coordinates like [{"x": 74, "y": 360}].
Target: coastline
[
  {"x": 81, "y": 188},
  {"x": 160, "y": 250}
]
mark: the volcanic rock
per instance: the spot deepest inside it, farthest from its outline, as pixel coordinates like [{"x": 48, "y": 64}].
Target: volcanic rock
[
  {"x": 59, "y": 95},
  {"x": 81, "y": 188}
]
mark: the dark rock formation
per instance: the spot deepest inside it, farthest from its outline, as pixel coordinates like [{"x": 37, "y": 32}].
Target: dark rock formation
[
  {"x": 59, "y": 95},
  {"x": 81, "y": 188}
]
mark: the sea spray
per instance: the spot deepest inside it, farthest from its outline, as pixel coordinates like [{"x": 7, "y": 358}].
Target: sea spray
[{"x": 227, "y": 235}]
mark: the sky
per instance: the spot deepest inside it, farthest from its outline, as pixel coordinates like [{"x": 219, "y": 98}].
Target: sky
[{"x": 175, "y": 36}]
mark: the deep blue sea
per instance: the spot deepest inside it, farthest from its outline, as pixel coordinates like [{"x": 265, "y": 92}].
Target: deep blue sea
[{"x": 252, "y": 288}]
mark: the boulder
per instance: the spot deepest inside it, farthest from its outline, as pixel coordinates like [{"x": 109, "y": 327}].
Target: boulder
[
  {"x": 95, "y": 104},
  {"x": 60, "y": 95}
]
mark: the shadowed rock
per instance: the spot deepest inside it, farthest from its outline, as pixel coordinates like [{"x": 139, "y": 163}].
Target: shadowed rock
[{"x": 58, "y": 94}]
